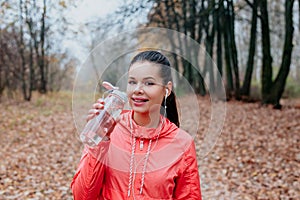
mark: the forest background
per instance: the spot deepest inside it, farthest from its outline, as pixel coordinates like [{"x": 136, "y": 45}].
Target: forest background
[{"x": 254, "y": 45}]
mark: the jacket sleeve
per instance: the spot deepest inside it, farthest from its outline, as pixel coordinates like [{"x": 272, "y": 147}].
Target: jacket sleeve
[
  {"x": 88, "y": 179},
  {"x": 188, "y": 182}
]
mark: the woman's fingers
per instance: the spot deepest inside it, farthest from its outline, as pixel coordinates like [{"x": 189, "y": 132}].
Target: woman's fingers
[
  {"x": 89, "y": 117},
  {"x": 100, "y": 100},
  {"x": 96, "y": 107},
  {"x": 93, "y": 112}
]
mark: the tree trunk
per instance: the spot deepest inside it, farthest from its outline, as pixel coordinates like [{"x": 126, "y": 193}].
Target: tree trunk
[
  {"x": 194, "y": 53},
  {"x": 170, "y": 10},
  {"x": 233, "y": 49},
  {"x": 219, "y": 28},
  {"x": 201, "y": 27},
  {"x": 228, "y": 61},
  {"x": 209, "y": 44},
  {"x": 41, "y": 60},
  {"x": 22, "y": 55},
  {"x": 299, "y": 15},
  {"x": 267, "y": 58},
  {"x": 188, "y": 71},
  {"x": 208, "y": 59},
  {"x": 248, "y": 75},
  {"x": 279, "y": 83},
  {"x": 3, "y": 76},
  {"x": 31, "y": 70}
]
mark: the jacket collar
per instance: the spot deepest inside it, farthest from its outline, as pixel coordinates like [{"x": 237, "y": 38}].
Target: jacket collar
[{"x": 164, "y": 127}]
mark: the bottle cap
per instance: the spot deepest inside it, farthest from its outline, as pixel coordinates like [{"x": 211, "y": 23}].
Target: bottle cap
[{"x": 122, "y": 95}]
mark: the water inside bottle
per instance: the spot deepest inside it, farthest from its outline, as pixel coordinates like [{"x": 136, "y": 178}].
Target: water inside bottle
[{"x": 93, "y": 135}]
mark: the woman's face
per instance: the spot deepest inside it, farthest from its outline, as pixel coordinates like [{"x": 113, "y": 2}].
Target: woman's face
[{"x": 145, "y": 87}]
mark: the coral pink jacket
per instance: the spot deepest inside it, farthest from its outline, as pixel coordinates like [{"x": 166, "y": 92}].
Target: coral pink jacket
[{"x": 139, "y": 163}]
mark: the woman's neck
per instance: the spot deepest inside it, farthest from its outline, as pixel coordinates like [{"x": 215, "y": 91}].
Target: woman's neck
[{"x": 149, "y": 120}]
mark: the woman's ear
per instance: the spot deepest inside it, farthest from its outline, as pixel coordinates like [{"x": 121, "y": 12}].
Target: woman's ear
[{"x": 169, "y": 88}]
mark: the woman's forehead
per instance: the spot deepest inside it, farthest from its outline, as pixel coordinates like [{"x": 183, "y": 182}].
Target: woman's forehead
[{"x": 144, "y": 69}]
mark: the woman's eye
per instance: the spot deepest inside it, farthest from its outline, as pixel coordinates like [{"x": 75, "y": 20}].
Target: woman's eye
[
  {"x": 149, "y": 83},
  {"x": 131, "y": 82}
]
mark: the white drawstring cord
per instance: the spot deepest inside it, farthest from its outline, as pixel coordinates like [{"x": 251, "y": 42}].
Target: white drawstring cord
[
  {"x": 145, "y": 165},
  {"x": 133, "y": 145},
  {"x": 131, "y": 166}
]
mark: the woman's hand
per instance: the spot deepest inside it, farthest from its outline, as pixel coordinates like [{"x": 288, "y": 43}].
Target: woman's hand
[{"x": 99, "y": 105}]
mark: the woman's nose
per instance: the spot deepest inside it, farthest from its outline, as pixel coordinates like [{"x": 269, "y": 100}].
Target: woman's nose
[{"x": 139, "y": 87}]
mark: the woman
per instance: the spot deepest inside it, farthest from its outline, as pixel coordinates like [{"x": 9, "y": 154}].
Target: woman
[{"x": 147, "y": 155}]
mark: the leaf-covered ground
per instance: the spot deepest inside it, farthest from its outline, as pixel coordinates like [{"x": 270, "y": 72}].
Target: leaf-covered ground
[{"x": 257, "y": 155}]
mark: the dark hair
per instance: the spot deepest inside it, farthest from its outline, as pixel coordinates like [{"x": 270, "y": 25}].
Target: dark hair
[{"x": 158, "y": 58}]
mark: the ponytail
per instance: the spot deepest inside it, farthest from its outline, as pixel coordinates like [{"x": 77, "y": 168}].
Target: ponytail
[{"x": 171, "y": 112}]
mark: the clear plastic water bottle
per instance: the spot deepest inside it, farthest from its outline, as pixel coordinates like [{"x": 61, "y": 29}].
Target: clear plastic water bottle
[{"x": 104, "y": 123}]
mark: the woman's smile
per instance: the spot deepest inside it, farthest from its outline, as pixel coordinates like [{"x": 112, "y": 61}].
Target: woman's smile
[{"x": 139, "y": 101}]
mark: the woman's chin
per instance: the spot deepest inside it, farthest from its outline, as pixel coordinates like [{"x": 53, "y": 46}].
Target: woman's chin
[{"x": 140, "y": 110}]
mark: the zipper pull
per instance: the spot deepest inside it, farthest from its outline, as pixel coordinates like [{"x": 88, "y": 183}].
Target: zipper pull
[{"x": 141, "y": 144}]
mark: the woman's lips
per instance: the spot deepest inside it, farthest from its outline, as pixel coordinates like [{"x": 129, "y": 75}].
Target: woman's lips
[{"x": 139, "y": 101}]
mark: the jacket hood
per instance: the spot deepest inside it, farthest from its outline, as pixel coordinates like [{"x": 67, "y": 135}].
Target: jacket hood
[{"x": 129, "y": 126}]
